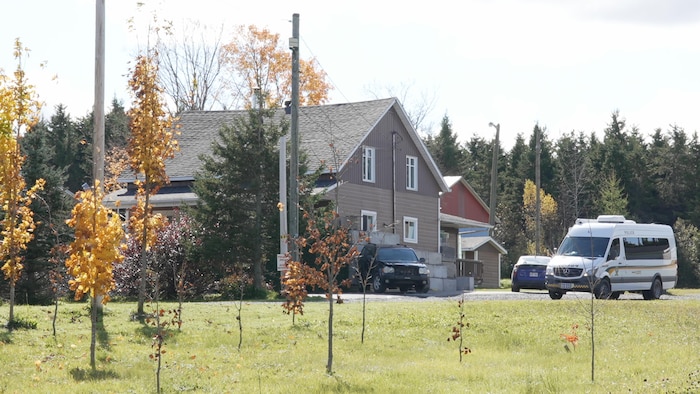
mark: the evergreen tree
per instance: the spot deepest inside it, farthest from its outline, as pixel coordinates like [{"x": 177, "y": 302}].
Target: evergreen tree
[
  {"x": 611, "y": 199},
  {"x": 238, "y": 194},
  {"x": 511, "y": 231},
  {"x": 51, "y": 208},
  {"x": 445, "y": 150},
  {"x": 688, "y": 244},
  {"x": 477, "y": 157},
  {"x": 671, "y": 170},
  {"x": 67, "y": 145},
  {"x": 623, "y": 153},
  {"x": 574, "y": 174},
  {"x": 73, "y": 148},
  {"x": 116, "y": 126}
]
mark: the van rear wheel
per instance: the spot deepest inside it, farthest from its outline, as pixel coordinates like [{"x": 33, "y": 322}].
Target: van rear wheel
[{"x": 655, "y": 292}]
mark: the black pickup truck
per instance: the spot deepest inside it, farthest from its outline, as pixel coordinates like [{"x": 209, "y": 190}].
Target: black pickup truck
[{"x": 390, "y": 267}]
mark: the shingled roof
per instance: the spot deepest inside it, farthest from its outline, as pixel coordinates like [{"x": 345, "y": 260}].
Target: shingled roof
[{"x": 344, "y": 125}]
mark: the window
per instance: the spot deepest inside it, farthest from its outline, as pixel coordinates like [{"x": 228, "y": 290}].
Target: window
[
  {"x": 411, "y": 173},
  {"x": 368, "y": 164},
  {"x": 646, "y": 248},
  {"x": 369, "y": 221},
  {"x": 410, "y": 229}
]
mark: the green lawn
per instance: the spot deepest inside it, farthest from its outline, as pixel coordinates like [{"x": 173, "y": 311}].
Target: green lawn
[{"x": 516, "y": 347}]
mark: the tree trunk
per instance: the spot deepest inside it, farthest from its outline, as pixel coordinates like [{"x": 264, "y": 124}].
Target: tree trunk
[
  {"x": 143, "y": 263},
  {"x": 93, "y": 333},
  {"x": 10, "y": 322},
  {"x": 55, "y": 312},
  {"x": 329, "y": 366}
]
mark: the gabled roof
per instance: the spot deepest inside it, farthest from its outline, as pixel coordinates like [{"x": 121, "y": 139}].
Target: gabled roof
[
  {"x": 342, "y": 126},
  {"x": 452, "y": 180},
  {"x": 452, "y": 221},
  {"x": 474, "y": 243}
]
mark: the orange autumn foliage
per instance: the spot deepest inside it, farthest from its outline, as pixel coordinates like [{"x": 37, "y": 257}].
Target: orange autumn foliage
[{"x": 98, "y": 245}]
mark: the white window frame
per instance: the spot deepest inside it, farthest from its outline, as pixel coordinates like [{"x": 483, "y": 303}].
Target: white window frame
[
  {"x": 411, "y": 172},
  {"x": 408, "y": 224},
  {"x": 369, "y": 160},
  {"x": 371, "y": 220}
]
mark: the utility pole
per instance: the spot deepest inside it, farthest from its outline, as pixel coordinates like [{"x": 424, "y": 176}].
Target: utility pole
[
  {"x": 98, "y": 147},
  {"x": 494, "y": 173},
  {"x": 537, "y": 197},
  {"x": 294, "y": 159},
  {"x": 98, "y": 137}
]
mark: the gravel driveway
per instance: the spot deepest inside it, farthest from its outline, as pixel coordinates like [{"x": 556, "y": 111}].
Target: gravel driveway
[{"x": 492, "y": 295}]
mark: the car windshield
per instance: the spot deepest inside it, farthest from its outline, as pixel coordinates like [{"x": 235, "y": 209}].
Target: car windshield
[
  {"x": 583, "y": 246},
  {"x": 397, "y": 254}
]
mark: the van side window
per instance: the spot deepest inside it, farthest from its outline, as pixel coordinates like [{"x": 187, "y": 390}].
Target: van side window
[
  {"x": 638, "y": 248},
  {"x": 614, "y": 249}
]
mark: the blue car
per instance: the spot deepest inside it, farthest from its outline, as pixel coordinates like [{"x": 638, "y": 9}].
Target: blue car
[{"x": 529, "y": 273}]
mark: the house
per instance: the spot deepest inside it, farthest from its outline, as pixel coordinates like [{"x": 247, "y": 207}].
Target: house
[
  {"x": 377, "y": 170},
  {"x": 465, "y": 239}
]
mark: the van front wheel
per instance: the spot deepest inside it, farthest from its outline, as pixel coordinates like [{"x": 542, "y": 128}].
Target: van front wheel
[
  {"x": 603, "y": 290},
  {"x": 555, "y": 295},
  {"x": 655, "y": 292}
]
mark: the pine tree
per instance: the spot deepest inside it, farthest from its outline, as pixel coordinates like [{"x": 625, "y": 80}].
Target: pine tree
[{"x": 238, "y": 193}]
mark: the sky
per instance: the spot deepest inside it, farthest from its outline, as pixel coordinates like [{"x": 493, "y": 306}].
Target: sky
[{"x": 566, "y": 65}]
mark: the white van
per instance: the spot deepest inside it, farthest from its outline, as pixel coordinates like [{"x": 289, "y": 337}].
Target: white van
[{"x": 610, "y": 255}]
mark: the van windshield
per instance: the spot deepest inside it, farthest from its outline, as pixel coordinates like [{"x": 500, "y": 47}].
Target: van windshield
[{"x": 583, "y": 246}]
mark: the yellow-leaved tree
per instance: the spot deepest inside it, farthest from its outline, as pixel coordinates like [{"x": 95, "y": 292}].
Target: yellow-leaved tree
[
  {"x": 548, "y": 219},
  {"x": 257, "y": 59},
  {"x": 152, "y": 141},
  {"x": 98, "y": 245},
  {"x": 19, "y": 111}
]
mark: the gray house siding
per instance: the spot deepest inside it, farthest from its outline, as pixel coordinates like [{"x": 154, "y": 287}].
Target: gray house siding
[
  {"x": 490, "y": 257},
  {"x": 381, "y": 139},
  {"x": 425, "y": 209},
  {"x": 355, "y": 195},
  {"x": 352, "y": 199}
]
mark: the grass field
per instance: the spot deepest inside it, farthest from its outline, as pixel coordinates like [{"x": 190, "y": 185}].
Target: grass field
[{"x": 516, "y": 347}]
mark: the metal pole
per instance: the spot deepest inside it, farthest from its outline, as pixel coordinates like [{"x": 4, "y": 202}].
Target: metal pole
[
  {"x": 294, "y": 159},
  {"x": 494, "y": 173}
]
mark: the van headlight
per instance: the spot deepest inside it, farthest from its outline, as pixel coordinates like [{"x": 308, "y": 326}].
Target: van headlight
[
  {"x": 423, "y": 271},
  {"x": 549, "y": 270}
]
